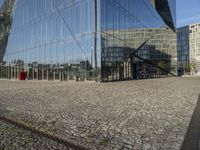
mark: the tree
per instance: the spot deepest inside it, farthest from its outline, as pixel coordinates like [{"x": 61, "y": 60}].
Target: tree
[
  {"x": 162, "y": 64},
  {"x": 192, "y": 67}
]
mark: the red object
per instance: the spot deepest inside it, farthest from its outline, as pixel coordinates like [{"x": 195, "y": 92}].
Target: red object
[{"x": 22, "y": 75}]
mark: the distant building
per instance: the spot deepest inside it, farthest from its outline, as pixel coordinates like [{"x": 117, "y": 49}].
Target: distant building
[
  {"x": 183, "y": 50},
  {"x": 160, "y": 49},
  {"x": 194, "y": 50},
  {"x": 188, "y": 49}
]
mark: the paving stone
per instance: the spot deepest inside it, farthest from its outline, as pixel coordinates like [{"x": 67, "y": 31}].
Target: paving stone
[
  {"x": 146, "y": 114},
  {"x": 14, "y": 138}
]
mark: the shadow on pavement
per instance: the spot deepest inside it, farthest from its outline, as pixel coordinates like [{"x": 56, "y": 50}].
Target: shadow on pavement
[{"x": 192, "y": 138}]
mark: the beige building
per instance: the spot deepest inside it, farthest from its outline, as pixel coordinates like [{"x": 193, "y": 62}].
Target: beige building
[
  {"x": 188, "y": 49},
  {"x": 194, "y": 47}
]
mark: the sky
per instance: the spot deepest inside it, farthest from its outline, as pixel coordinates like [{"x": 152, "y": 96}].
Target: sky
[
  {"x": 188, "y": 12},
  {"x": 1, "y": 1}
]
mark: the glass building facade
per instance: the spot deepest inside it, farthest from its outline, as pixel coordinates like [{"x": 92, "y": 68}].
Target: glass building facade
[
  {"x": 183, "y": 52},
  {"x": 101, "y": 40}
]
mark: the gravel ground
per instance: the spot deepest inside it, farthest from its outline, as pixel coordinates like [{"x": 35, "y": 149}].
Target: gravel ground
[{"x": 140, "y": 115}]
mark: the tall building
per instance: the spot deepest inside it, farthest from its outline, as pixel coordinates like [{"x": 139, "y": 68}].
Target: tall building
[
  {"x": 102, "y": 40},
  {"x": 5, "y": 25},
  {"x": 194, "y": 44},
  {"x": 183, "y": 50},
  {"x": 188, "y": 39}
]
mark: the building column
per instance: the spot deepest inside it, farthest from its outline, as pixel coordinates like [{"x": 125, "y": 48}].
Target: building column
[
  {"x": 60, "y": 76},
  {"x": 8, "y": 72},
  {"x": 54, "y": 76},
  {"x": 11, "y": 70},
  {"x": 15, "y": 71},
  {"x": 42, "y": 74},
  {"x": 47, "y": 74},
  {"x": 33, "y": 74},
  {"x": 37, "y": 74}
]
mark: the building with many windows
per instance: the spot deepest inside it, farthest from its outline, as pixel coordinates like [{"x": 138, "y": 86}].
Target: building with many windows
[
  {"x": 194, "y": 50},
  {"x": 101, "y": 40},
  {"x": 188, "y": 46},
  {"x": 183, "y": 50},
  {"x": 159, "y": 49}
]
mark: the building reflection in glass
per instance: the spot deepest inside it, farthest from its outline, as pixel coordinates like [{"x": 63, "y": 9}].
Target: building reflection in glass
[{"x": 90, "y": 40}]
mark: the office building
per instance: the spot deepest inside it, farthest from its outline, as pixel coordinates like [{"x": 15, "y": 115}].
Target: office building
[{"x": 188, "y": 46}]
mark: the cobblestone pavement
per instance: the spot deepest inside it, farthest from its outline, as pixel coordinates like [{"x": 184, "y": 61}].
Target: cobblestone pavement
[
  {"x": 140, "y": 115},
  {"x": 13, "y": 138}
]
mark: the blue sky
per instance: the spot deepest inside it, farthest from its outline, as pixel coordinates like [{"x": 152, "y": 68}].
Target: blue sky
[
  {"x": 1, "y": 1},
  {"x": 188, "y": 12}
]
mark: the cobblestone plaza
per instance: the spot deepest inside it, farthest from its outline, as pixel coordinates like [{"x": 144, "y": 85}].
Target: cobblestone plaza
[
  {"x": 101, "y": 41},
  {"x": 135, "y": 115}
]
